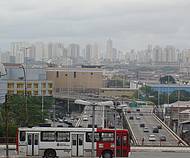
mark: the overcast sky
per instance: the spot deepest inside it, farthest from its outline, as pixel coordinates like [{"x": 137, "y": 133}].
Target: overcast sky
[{"x": 130, "y": 23}]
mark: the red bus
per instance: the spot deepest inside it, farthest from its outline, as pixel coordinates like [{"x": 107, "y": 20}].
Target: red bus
[{"x": 51, "y": 142}]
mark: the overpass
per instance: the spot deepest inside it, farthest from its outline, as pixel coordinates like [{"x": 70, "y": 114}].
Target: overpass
[{"x": 136, "y": 117}]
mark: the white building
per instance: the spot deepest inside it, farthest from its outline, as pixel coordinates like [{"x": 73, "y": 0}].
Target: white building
[{"x": 109, "y": 50}]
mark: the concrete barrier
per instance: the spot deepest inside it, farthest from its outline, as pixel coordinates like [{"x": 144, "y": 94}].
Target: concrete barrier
[{"x": 169, "y": 130}]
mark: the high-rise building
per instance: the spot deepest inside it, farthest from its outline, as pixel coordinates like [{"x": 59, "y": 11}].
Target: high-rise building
[
  {"x": 109, "y": 50},
  {"x": 157, "y": 55},
  {"x": 95, "y": 54},
  {"x": 39, "y": 50},
  {"x": 50, "y": 50},
  {"x": 88, "y": 54},
  {"x": 74, "y": 51},
  {"x": 170, "y": 55}
]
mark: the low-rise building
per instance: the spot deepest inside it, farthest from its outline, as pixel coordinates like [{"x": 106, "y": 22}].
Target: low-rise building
[
  {"x": 33, "y": 87},
  {"x": 80, "y": 79},
  {"x": 118, "y": 92},
  {"x": 172, "y": 113}
]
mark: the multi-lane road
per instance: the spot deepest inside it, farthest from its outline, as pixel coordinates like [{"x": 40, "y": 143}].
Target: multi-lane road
[
  {"x": 104, "y": 117},
  {"x": 145, "y": 116}
]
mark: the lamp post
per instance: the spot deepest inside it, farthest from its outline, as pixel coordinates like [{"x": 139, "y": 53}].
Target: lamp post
[
  {"x": 87, "y": 103},
  {"x": 3, "y": 72},
  {"x": 25, "y": 93}
]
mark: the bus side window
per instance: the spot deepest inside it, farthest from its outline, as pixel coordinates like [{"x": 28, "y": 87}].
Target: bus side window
[
  {"x": 22, "y": 135},
  {"x": 80, "y": 141},
  {"x": 63, "y": 136},
  {"x": 29, "y": 140}
]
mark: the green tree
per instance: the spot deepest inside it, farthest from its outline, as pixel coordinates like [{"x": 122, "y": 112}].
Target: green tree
[
  {"x": 17, "y": 112},
  {"x": 167, "y": 80}
]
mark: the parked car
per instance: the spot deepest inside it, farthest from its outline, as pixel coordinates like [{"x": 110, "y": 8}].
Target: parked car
[
  {"x": 138, "y": 118},
  {"x": 141, "y": 114},
  {"x": 162, "y": 138},
  {"x": 138, "y": 110},
  {"x": 146, "y": 129},
  {"x": 152, "y": 137}
]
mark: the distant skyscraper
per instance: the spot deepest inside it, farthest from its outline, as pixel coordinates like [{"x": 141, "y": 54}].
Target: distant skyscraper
[
  {"x": 50, "y": 50},
  {"x": 114, "y": 55},
  {"x": 39, "y": 50},
  {"x": 109, "y": 49},
  {"x": 74, "y": 51},
  {"x": 170, "y": 55},
  {"x": 88, "y": 53},
  {"x": 157, "y": 55},
  {"x": 95, "y": 54}
]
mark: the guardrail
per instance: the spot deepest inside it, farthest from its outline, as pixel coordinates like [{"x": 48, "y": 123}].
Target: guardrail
[
  {"x": 130, "y": 129},
  {"x": 169, "y": 130}
]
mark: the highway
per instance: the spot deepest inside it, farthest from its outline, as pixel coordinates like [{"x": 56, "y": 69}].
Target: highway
[
  {"x": 145, "y": 116},
  {"x": 103, "y": 117}
]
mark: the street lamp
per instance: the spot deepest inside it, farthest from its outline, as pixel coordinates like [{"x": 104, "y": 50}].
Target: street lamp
[
  {"x": 25, "y": 93},
  {"x": 3, "y": 72},
  {"x": 87, "y": 103}
]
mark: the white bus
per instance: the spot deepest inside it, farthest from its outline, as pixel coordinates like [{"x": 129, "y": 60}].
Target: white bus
[{"x": 51, "y": 142}]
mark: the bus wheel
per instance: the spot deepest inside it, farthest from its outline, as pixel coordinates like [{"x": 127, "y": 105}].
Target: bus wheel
[
  {"x": 50, "y": 153},
  {"x": 107, "y": 154}
]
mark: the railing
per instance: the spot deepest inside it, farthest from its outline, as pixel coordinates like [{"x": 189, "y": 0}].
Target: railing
[
  {"x": 135, "y": 141},
  {"x": 169, "y": 130}
]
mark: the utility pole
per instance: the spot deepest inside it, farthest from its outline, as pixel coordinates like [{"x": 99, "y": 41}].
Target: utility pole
[
  {"x": 6, "y": 124},
  {"x": 93, "y": 129}
]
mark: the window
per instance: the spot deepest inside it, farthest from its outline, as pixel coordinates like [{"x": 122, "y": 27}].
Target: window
[
  {"x": 57, "y": 74},
  {"x": 107, "y": 136},
  {"x": 63, "y": 137},
  {"x": 22, "y": 135},
  {"x": 48, "y": 136},
  {"x": 29, "y": 139},
  {"x": 75, "y": 74},
  {"x": 89, "y": 136}
]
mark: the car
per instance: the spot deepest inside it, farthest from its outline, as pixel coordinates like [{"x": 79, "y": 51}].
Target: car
[
  {"x": 152, "y": 137},
  {"x": 155, "y": 130},
  {"x": 162, "y": 138},
  {"x": 159, "y": 126},
  {"x": 85, "y": 119},
  {"x": 128, "y": 111},
  {"x": 142, "y": 125},
  {"x": 138, "y": 118},
  {"x": 60, "y": 120},
  {"x": 141, "y": 114},
  {"x": 131, "y": 118},
  {"x": 138, "y": 110},
  {"x": 146, "y": 129}
]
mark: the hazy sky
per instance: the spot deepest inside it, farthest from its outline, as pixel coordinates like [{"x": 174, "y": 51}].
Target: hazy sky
[{"x": 130, "y": 23}]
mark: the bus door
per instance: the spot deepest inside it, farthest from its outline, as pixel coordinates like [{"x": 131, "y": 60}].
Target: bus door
[
  {"x": 121, "y": 145},
  {"x": 32, "y": 144},
  {"x": 77, "y": 145}
]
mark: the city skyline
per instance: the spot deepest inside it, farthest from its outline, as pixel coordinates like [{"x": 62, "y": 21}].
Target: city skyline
[{"x": 129, "y": 23}]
